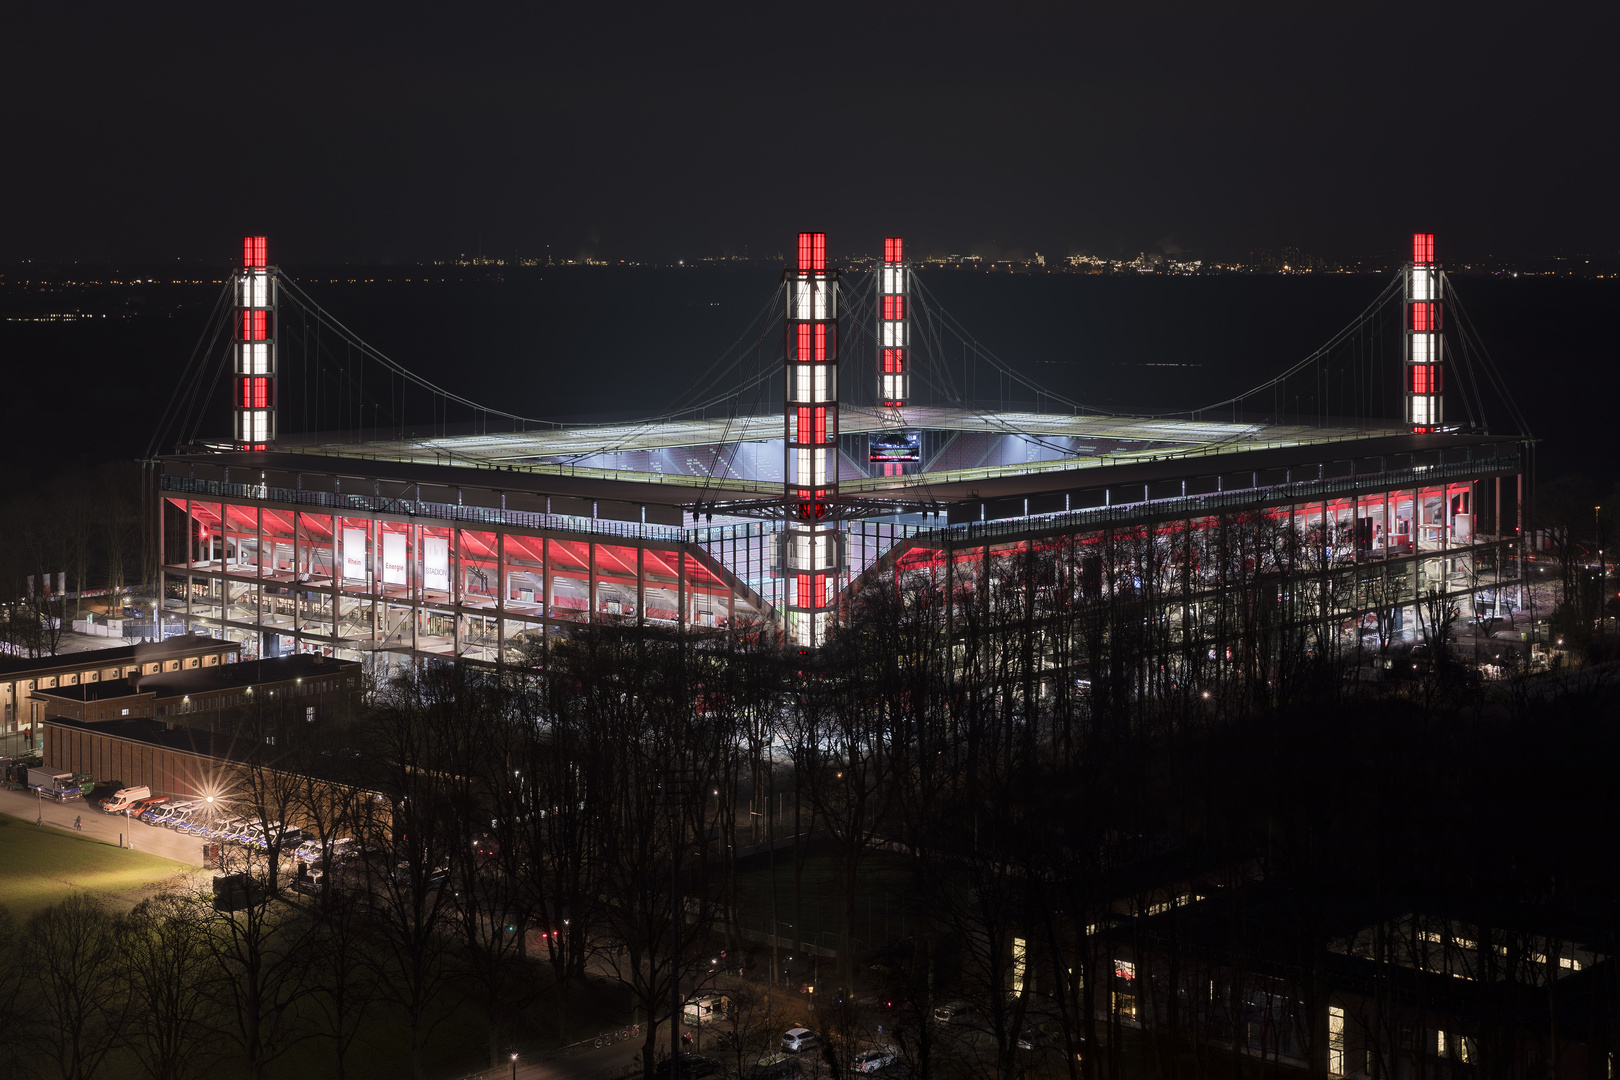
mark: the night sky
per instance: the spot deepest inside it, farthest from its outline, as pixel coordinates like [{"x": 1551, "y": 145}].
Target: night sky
[{"x": 405, "y": 132}]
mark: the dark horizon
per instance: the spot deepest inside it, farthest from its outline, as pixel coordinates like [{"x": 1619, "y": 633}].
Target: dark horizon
[{"x": 144, "y": 136}]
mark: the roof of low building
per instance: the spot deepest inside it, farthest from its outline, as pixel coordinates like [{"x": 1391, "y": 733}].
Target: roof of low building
[
  {"x": 243, "y": 674},
  {"x": 140, "y": 652}
]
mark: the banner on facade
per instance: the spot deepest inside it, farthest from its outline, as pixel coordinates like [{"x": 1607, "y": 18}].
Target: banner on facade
[
  {"x": 393, "y": 546},
  {"x": 354, "y": 554},
  {"x": 436, "y": 563}
]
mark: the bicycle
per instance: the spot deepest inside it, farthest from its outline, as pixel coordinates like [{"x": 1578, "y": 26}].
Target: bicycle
[{"x": 617, "y": 1036}]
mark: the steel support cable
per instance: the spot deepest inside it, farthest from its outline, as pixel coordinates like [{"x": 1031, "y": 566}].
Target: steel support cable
[
  {"x": 989, "y": 417},
  {"x": 773, "y": 303},
  {"x": 990, "y": 357},
  {"x": 1468, "y": 365},
  {"x": 177, "y": 413},
  {"x": 341, "y": 376},
  {"x": 1367, "y": 313},
  {"x": 366, "y": 349},
  {"x": 201, "y": 398},
  {"x": 1466, "y": 323},
  {"x": 731, "y": 420},
  {"x": 354, "y": 339}
]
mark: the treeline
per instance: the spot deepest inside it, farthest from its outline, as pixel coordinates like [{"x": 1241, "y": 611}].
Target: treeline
[
  {"x": 83, "y": 530},
  {"x": 1035, "y": 748}
]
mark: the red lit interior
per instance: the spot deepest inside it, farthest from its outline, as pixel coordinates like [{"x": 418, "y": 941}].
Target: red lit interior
[
  {"x": 812, "y": 590},
  {"x": 255, "y": 393},
  {"x": 1423, "y": 248},
  {"x": 812, "y": 251},
  {"x": 892, "y": 249},
  {"x": 1425, "y": 379}
]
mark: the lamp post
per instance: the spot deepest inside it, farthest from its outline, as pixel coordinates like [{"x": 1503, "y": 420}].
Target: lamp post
[
  {"x": 1603, "y": 571},
  {"x": 514, "y": 1067}
]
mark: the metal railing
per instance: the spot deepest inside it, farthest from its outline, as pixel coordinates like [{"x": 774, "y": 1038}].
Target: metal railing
[
  {"x": 381, "y": 504},
  {"x": 1249, "y": 498}
]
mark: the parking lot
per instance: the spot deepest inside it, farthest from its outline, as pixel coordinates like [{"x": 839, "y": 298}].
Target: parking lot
[{"x": 111, "y": 828}]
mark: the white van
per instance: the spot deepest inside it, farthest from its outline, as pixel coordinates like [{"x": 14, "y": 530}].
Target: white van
[
  {"x": 710, "y": 1009},
  {"x": 124, "y": 798}
]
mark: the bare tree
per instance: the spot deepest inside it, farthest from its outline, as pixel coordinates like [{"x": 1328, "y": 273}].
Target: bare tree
[
  {"x": 418, "y": 733},
  {"x": 342, "y": 985},
  {"x": 165, "y": 960},
  {"x": 81, "y": 1001},
  {"x": 259, "y": 948}
]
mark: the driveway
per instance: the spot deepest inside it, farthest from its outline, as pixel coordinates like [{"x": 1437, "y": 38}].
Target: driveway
[{"x": 112, "y": 828}]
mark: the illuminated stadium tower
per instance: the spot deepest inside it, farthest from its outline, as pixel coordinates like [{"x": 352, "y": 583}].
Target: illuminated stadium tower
[
  {"x": 893, "y": 282},
  {"x": 423, "y": 546},
  {"x": 810, "y": 473},
  {"x": 255, "y": 397},
  {"x": 1423, "y": 341}
]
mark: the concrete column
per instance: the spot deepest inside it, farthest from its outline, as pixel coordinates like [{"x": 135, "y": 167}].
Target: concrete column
[
  {"x": 500, "y": 595},
  {"x": 455, "y": 588},
  {"x": 590, "y": 575},
  {"x": 641, "y": 583},
  {"x": 545, "y": 575},
  {"x": 191, "y": 523}
]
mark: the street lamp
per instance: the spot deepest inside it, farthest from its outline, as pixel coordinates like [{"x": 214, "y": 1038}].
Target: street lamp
[
  {"x": 514, "y": 1067},
  {"x": 1603, "y": 571}
]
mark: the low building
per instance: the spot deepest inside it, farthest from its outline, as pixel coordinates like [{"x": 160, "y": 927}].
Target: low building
[
  {"x": 21, "y": 676},
  {"x": 313, "y": 686},
  {"x": 192, "y": 763}
]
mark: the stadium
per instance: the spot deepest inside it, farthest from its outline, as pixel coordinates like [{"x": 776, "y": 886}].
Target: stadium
[{"x": 483, "y": 540}]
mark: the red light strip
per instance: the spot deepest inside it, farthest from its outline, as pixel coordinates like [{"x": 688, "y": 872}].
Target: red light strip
[
  {"x": 255, "y": 394},
  {"x": 1424, "y": 374}
]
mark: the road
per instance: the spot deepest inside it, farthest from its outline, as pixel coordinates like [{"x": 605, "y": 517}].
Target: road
[{"x": 112, "y": 828}]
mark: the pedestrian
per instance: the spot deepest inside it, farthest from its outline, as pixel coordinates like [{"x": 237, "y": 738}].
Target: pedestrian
[{"x": 76, "y": 826}]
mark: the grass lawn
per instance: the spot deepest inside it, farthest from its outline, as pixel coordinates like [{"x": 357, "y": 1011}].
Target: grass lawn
[{"x": 39, "y": 866}]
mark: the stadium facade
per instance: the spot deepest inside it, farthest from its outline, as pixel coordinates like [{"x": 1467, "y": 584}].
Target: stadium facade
[{"x": 483, "y": 546}]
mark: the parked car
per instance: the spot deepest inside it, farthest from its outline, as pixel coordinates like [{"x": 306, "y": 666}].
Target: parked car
[
  {"x": 1041, "y": 1031},
  {"x": 180, "y": 815},
  {"x": 799, "y": 1039},
  {"x": 952, "y": 1012},
  {"x": 141, "y": 806},
  {"x": 871, "y": 1061},
  {"x": 435, "y": 876},
  {"x": 288, "y": 840},
  {"x": 125, "y": 798}
]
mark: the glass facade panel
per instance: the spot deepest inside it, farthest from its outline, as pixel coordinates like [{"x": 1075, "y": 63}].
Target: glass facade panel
[
  {"x": 317, "y": 556},
  {"x": 480, "y": 577}
]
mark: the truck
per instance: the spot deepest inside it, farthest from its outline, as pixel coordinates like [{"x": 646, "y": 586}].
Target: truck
[
  {"x": 124, "y": 798},
  {"x": 60, "y": 786}
]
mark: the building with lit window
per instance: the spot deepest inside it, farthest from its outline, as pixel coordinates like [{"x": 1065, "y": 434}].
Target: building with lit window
[{"x": 384, "y": 548}]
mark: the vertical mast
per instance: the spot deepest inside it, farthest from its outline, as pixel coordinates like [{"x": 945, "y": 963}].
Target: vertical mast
[
  {"x": 1424, "y": 410},
  {"x": 254, "y": 403},
  {"x": 810, "y": 427},
  {"x": 894, "y": 289}
]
